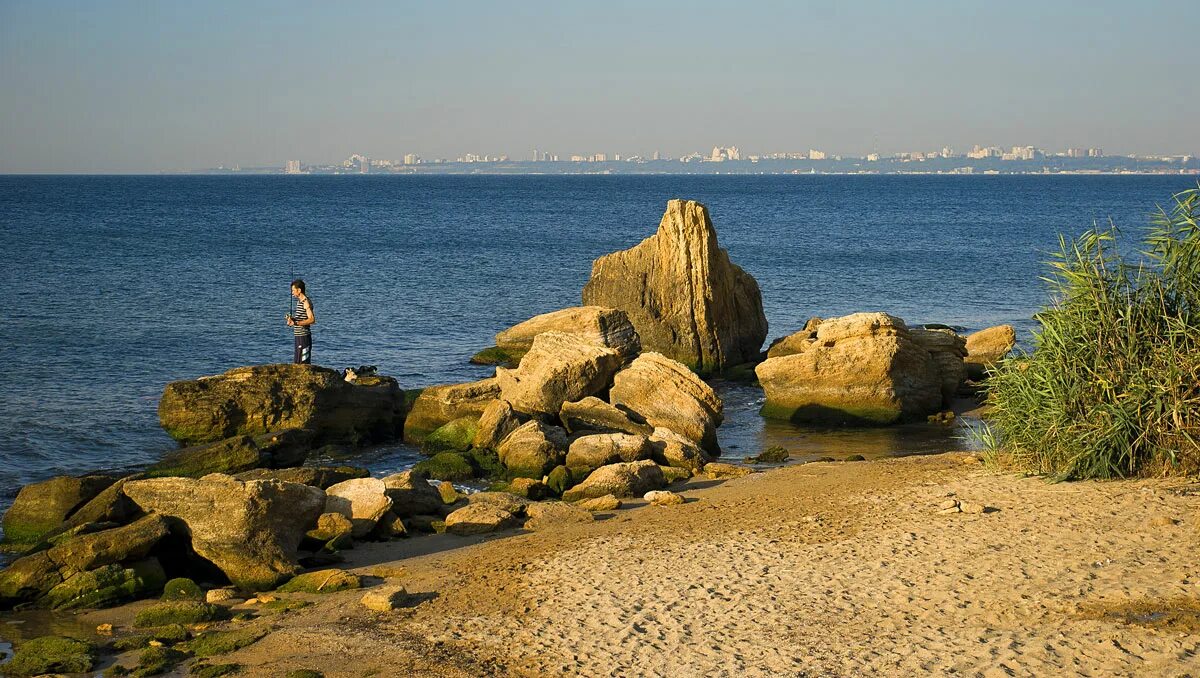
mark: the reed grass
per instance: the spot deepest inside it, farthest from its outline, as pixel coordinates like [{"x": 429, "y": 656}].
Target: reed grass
[{"x": 1112, "y": 386}]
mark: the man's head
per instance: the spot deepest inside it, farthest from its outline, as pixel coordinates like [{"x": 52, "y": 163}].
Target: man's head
[{"x": 297, "y": 287}]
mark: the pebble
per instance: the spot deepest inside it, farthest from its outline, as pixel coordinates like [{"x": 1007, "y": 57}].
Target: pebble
[
  {"x": 104, "y": 629},
  {"x": 952, "y": 509},
  {"x": 971, "y": 507},
  {"x": 1163, "y": 521},
  {"x": 220, "y": 595},
  {"x": 663, "y": 498},
  {"x": 948, "y": 504},
  {"x": 385, "y": 598}
]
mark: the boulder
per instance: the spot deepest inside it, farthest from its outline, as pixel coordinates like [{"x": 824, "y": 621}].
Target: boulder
[
  {"x": 671, "y": 449},
  {"x": 663, "y": 498},
  {"x": 596, "y": 325},
  {"x": 322, "y": 581},
  {"x": 279, "y": 449},
  {"x": 265, "y": 398},
  {"x": 439, "y": 405},
  {"x": 593, "y": 414},
  {"x": 987, "y": 347},
  {"x": 316, "y": 476},
  {"x": 797, "y": 342},
  {"x": 107, "y": 586},
  {"x": 532, "y": 449},
  {"x": 332, "y": 526},
  {"x": 51, "y": 655},
  {"x": 529, "y": 488},
  {"x": 507, "y": 501},
  {"x": 453, "y": 436},
  {"x": 385, "y": 598},
  {"x": 605, "y": 503},
  {"x": 478, "y": 519},
  {"x": 446, "y": 466},
  {"x": 110, "y": 506},
  {"x": 684, "y": 297},
  {"x": 668, "y": 395},
  {"x": 630, "y": 479},
  {"x": 250, "y": 530},
  {"x": 593, "y": 451},
  {"x": 363, "y": 500},
  {"x": 41, "y": 507},
  {"x": 497, "y": 421},
  {"x": 948, "y": 350},
  {"x": 863, "y": 368},
  {"x": 552, "y": 513},
  {"x": 558, "y": 368},
  {"x": 411, "y": 494}
]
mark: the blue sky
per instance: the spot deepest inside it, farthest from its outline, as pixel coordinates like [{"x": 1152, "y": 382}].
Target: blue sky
[{"x": 147, "y": 86}]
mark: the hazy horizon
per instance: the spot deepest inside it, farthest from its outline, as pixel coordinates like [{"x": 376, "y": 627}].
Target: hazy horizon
[{"x": 145, "y": 87}]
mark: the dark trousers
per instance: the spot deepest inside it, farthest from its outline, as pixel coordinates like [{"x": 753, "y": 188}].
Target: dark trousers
[{"x": 303, "y": 353}]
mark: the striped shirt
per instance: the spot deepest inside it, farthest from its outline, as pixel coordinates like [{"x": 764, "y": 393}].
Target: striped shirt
[{"x": 301, "y": 314}]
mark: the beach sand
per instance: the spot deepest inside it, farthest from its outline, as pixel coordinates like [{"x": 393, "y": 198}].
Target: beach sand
[{"x": 820, "y": 569}]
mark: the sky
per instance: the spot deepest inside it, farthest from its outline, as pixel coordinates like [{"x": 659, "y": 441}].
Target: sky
[{"x": 117, "y": 86}]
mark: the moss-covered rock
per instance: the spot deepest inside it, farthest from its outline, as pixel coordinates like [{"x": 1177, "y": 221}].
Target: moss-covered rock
[
  {"x": 214, "y": 670},
  {"x": 41, "y": 507},
  {"x": 772, "y": 455},
  {"x": 182, "y": 588},
  {"x": 213, "y": 643},
  {"x": 172, "y": 633},
  {"x": 305, "y": 673},
  {"x": 237, "y": 454},
  {"x": 157, "y": 660},
  {"x": 179, "y": 612},
  {"x": 283, "y": 605},
  {"x": 493, "y": 356},
  {"x": 107, "y": 586},
  {"x": 559, "y": 480},
  {"x": 446, "y": 466},
  {"x": 454, "y": 436},
  {"x": 321, "y": 581},
  {"x": 51, "y": 654}
]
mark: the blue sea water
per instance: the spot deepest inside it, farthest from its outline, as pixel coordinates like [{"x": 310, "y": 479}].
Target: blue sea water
[{"x": 112, "y": 286}]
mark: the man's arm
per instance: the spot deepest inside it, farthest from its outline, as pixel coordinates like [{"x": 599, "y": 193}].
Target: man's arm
[{"x": 312, "y": 318}]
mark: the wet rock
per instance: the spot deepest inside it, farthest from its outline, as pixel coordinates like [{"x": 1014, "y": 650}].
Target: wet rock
[
  {"x": 948, "y": 350},
  {"x": 42, "y": 507},
  {"x": 321, "y": 581},
  {"x": 663, "y": 498},
  {"x": 250, "y": 530},
  {"x": 606, "y": 503},
  {"x": 632, "y": 479},
  {"x": 331, "y": 527},
  {"x": 363, "y": 500},
  {"x": 666, "y": 394},
  {"x": 593, "y": 414},
  {"x": 596, "y": 325},
  {"x": 549, "y": 514},
  {"x": 179, "y": 612},
  {"x": 720, "y": 471},
  {"x": 493, "y": 355},
  {"x": 446, "y": 466},
  {"x": 682, "y": 294},
  {"x": 264, "y": 398},
  {"x": 411, "y": 494},
  {"x": 315, "y": 476},
  {"x": 51, "y": 654},
  {"x": 558, "y": 368},
  {"x": 987, "y": 347},
  {"x": 772, "y": 455},
  {"x": 107, "y": 586},
  {"x": 448, "y": 493},
  {"x": 278, "y": 449},
  {"x": 439, "y": 405},
  {"x": 453, "y": 436},
  {"x": 478, "y": 518},
  {"x": 593, "y": 451},
  {"x": 532, "y": 449},
  {"x": 497, "y": 421},
  {"x": 385, "y": 598}
]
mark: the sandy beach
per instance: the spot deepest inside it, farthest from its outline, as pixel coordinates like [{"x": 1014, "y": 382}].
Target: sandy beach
[{"x": 822, "y": 569}]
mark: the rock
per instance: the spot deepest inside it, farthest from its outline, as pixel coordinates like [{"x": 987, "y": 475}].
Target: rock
[
  {"x": 332, "y": 526},
  {"x": 593, "y": 414},
  {"x": 684, "y": 297},
  {"x": 772, "y": 455},
  {"x": 532, "y": 449},
  {"x": 51, "y": 654},
  {"x": 316, "y": 476},
  {"x": 411, "y": 494},
  {"x": 596, "y": 325},
  {"x": 391, "y": 526},
  {"x": 363, "y": 500},
  {"x": 182, "y": 588},
  {"x": 719, "y": 471},
  {"x": 1156, "y": 521},
  {"x": 213, "y": 643},
  {"x": 864, "y": 368},
  {"x": 971, "y": 507},
  {"x": 855, "y": 457},
  {"x": 42, "y": 507},
  {"x": 385, "y": 598},
  {"x": 593, "y": 451},
  {"x": 179, "y": 612},
  {"x": 439, "y": 405},
  {"x": 529, "y": 488},
  {"x": 797, "y": 342},
  {"x": 446, "y": 466},
  {"x": 987, "y": 347},
  {"x": 663, "y": 498},
  {"x": 222, "y": 595},
  {"x": 674, "y": 474},
  {"x": 551, "y": 513},
  {"x": 948, "y": 350},
  {"x": 671, "y": 449},
  {"x": 265, "y": 398},
  {"x": 423, "y": 523},
  {"x": 947, "y": 504},
  {"x": 250, "y": 530},
  {"x": 952, "y": 509},
  {"x": 453, "y": 436},
  {"x": 321, "y": 581},
  {"x": 497, "y": 421},
  {"x": 606, "y": 503},
  {"x": 493, "y": 356},
  {"x": 33, "y": 576},
  {"x": 237, "y": 454},
  {"x": 449, "y": 495},
  {"x": 558, "y": 368},
  {"x": 478, "y": 518},
  {"x": 667, "y": 395},
  {"x": 559, "y": 480},
  {"x": 107, "y": 586},
  {"x": 506, "y": 501},
  {"x": 631, "y": 479},
  {"x": 945, "y": 418}
]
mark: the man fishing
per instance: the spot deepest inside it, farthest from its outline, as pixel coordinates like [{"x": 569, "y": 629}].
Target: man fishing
[{"x": 301, "y": 323}]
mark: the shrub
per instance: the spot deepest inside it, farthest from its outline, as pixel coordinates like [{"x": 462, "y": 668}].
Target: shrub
[{"x": 1112, "y": 387}]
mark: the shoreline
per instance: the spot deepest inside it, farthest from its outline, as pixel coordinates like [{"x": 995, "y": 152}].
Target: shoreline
[{"x": 825, "y": 568}]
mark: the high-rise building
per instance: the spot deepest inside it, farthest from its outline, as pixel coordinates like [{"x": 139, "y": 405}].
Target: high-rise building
[
  {"x": 655, "y": 156},
  {"x": 412, "y": 159},
  {"x": 816, "y": 155},
  {"x": 364, "y": 166},
  {"x": 1095, "y": 152},
  {"x": 292, "y": 167}
]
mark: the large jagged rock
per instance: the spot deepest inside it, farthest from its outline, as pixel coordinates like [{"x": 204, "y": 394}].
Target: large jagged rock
[
  {"x": 592, "y": 452},
  {"x": 987, "y": 347},
  {"x": 266, "y": 398},
  {"x": 593, "y": 414},
  {"x": 316, "y": 476},
  {"x": 558, "y": 368},
  {"x": 497, "y": 421},
  {"x": 41, "y": 507},
  {"x": 797, "y": 342},
  {"x": 33, "y": 576},
  {"x": 439, "y": 405},
  {"x": 532, "y": 449},
  {"x": 948, "y": 350},
  {"x": 363, "y": 500},
  {"x": 596, "y": 325},
  {"x": 412, "y": 494},
  {"x": 630, "y": 479},
  {"x": 250, "y": 530},
  {"x": 279, "y": 449},
  {"x": 863, "y": 368},
  {"x": 666, "y": 394},
  {"x": 671, "y": 449},
  {"x": 684, "y": 297}
]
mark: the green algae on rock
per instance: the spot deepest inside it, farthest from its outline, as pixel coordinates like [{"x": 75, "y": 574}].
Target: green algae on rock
[
  {"x": 41, "y": 507},
  {"x": 179, "y": 612},
  {"x": 182, "y": 588},
  {"x": 453, "y": 436},
  {"x": 213, "y": 643},
  {"x": 321, "y": 581},
  {"x": 107, "y": 586},
  {"x": 446, "y": 466},
  {"x": 51, "y": 654}
]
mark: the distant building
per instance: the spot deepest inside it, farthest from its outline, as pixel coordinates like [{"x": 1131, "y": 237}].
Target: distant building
[
  {"x": 655, "y": 156},
  {"x": 292, "y": 167},
  {"x": 816, "y": 155},
  {"x": 1095, "y": 152},
  {"x": 412, "y": 159},
  {"x": 364, "y": 166},
  {"x": 600, "y": 157},
  {"x": 1075, "y": 153},
  {"x": 872, "y": 157}
]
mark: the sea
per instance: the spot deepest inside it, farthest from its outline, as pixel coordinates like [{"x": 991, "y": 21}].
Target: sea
[{"x": 113, "y": 286}]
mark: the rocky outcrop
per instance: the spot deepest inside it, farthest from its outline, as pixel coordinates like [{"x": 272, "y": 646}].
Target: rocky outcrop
[
  {"x": 987, "y": 347},
  {"x": 412, "y": 494},
  {"x": 632, "y": 479},
  {"x": 558, "y": 368},
  {"x": 439, "y": 405},
  {"x": 671, "y": 449},
  {"x": 250, "y": 530},
  {"x": 593, "y": 414},
  {"x": 684, "y": 297},
  {"x": 363, "y": 500},
  {"x": 948, "y": 350},
  {"x": 41, "y": 507},
  {"x": 497, "y": 421},
  {"x": 666, "y": 394},
  {"x": 266, "y": 398},
  {"x": 863, "y": 368},
  {"x": 316, "y": 476},
  {"x": 532, "y": 449},
  {"x": 592, "y": 452},
  {"x": 595, "y": 325},
  {"x": 279, "y": 449}
]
